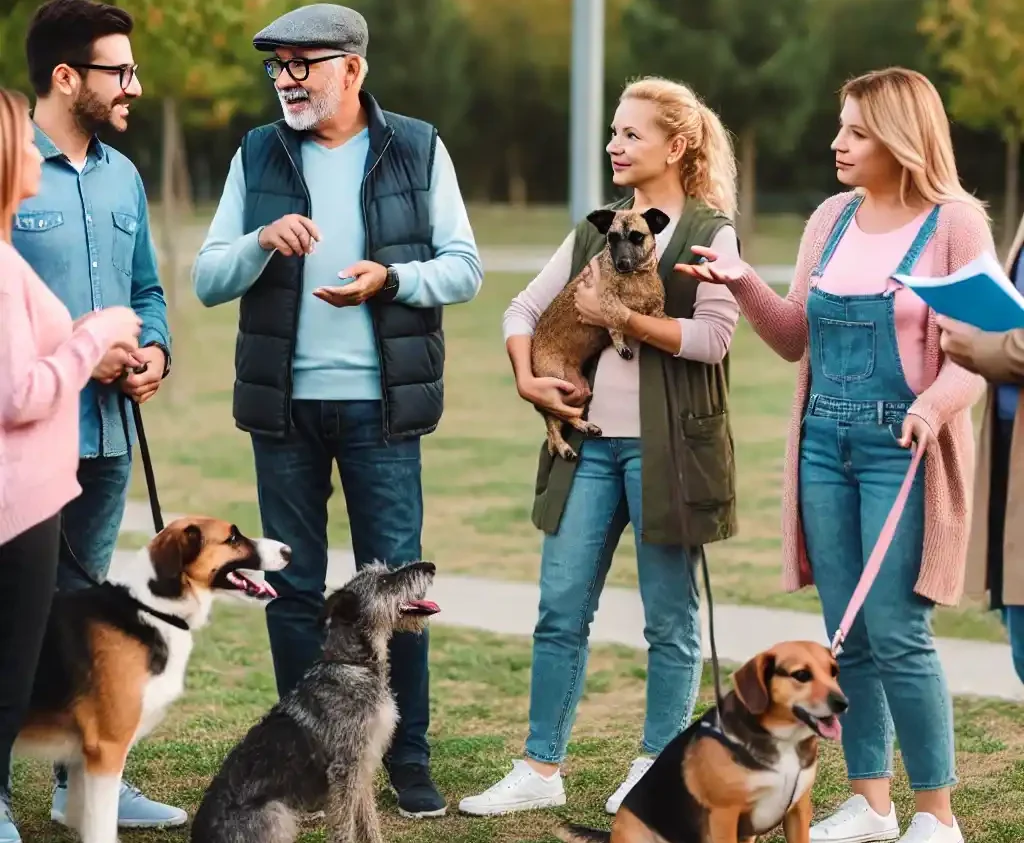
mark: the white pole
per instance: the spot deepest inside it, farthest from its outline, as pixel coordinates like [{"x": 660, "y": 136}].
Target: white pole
[{"x": 586, "y": 146}]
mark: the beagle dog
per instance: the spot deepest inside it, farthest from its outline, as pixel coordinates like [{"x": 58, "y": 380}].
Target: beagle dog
[
  {"x": 742, "y": 768},
  {"x": 114, "y": 656}
]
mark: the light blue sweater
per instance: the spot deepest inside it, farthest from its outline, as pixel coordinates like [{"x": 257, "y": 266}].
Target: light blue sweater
[{"x": 335, "y": 350}]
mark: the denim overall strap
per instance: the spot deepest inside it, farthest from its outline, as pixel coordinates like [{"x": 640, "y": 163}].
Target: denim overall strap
[
  {"x": 924, "y": 234},
  {"x": 838, "y": 230}
]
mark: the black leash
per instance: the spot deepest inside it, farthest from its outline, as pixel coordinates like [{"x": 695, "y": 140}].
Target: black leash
[
  {"x": 711, "y": 635},
  {"x": 154, "y": 502}
]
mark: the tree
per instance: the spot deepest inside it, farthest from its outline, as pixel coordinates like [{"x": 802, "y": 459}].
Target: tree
[
  {"x": 752, "y": 61},
  {"x": 981, "y": 43}
]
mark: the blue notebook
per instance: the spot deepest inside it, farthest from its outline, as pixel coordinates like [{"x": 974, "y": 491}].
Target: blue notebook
[{"x": 978, "y": 294}]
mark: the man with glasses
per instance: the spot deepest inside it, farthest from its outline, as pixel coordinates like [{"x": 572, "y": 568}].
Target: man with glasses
[
  {"x": 342, "y": 231},
  {"x": 87, "y": 235}
]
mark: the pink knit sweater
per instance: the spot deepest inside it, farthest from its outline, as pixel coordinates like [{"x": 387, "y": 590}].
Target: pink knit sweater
[
  {"x": 44, "y": 363},
  {"x": 950, "y": 391}
]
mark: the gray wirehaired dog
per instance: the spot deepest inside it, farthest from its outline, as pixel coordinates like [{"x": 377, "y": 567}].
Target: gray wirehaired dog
[{"x": 320, "y": 746}]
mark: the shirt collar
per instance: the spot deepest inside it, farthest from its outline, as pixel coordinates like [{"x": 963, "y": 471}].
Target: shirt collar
[{"x": 49, "y": 149}]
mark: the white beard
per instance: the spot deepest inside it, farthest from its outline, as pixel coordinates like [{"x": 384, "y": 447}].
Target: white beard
[{"x": 315, "y": 110}]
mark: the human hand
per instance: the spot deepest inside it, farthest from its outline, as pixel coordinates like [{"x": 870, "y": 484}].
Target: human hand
[
  {"x": 958, "y": 341},
  {"x": 367, "y": 279},
  {"x": 588, "y": 306},
  {"x": 293, "y": 234},
  {"x": 717, "y": 269},
  {"x": 554, "y": 395},
  {"x": 915, "y": 430},
  {"x": 123, "y": 327},
  {"x": 142, "y": 386}
]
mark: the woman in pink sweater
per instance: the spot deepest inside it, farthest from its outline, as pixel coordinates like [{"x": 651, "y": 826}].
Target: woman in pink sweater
[
  {"x": 45, "y": 360},
  {"x": 872, "y": 382}
]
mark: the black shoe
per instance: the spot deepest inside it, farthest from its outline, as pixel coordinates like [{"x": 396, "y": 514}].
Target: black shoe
[{"x": 418, "y": 796}]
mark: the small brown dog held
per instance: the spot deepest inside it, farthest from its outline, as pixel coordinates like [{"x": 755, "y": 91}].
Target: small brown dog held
[
  {"x": 626, "y": 277},
  {"x": 737, "y": 782}
]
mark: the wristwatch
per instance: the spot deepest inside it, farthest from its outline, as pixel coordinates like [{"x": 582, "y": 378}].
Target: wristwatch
[
  {"x": 390, "y": 289},
  {"x": 167, "y": 356}
]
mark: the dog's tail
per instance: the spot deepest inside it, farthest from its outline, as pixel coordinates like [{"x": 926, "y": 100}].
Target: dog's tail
[{"x": 580, "y": 834}]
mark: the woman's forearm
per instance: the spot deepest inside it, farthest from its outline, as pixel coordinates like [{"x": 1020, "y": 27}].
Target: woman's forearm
[
  {"x": 662, "y": 332},
  {"x": 518, "y": 348}
]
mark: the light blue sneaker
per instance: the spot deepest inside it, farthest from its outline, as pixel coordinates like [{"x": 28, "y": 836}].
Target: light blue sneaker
[
  {"x": 8, "y": 830},
  {"x": 133, "y": 810}
]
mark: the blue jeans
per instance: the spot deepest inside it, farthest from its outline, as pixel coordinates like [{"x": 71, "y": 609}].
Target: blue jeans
[
  {"x": 92, "y": 521},
  {"x": 605, "y": 497},
  {"x": 850, "y": 474},
  {"x": 384, "y": 499},
  {"x": 1013, "y": 616}
]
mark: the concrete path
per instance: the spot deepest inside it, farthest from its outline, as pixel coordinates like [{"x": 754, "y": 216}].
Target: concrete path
[{"x": 510, "y": 608}]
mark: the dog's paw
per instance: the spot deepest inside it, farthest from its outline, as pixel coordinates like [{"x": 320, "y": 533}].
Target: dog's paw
[
  {"x": 625, "y": 352},
  {"x": 567, "y": 453},
  {"x": 592, "y": 429}
]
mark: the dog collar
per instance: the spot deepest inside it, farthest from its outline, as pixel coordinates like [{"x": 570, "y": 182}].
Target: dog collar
[{"x": 173, "y": 620}]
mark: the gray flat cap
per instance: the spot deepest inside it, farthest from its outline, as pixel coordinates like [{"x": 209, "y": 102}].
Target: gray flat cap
[{"x": 325, "y": 25}]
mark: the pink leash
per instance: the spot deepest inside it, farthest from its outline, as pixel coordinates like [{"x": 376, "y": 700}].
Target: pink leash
[{"x": 877, "y": 555}]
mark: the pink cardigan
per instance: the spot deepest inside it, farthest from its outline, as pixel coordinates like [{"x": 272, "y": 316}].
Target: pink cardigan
[
  {"x": 950, "y": 391},
  {"x": 44, "y": 364}
]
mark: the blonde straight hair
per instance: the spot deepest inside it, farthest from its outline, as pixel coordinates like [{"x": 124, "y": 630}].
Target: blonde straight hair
[
  {"x": 708, "y": 167},
  {"x": 14, "y": 119},
  {"x": 904, "y": 111}
]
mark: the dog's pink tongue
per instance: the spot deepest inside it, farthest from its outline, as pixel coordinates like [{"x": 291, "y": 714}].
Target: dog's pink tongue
[{"x": 831, "y": 729}]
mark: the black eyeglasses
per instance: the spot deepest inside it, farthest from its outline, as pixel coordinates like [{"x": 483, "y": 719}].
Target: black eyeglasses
[
  {"x": 298, "y": 68},
  {"x": 126, "y": 71}
]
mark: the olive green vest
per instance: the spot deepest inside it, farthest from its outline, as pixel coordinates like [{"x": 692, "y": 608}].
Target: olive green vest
[{"x": 688, "y": 472}]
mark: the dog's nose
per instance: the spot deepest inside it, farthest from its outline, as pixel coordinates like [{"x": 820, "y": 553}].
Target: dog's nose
[
  {"x": 837, "y": 702},
  {"x": 622, "y": 266},
  {"x": 286, "y": 553},
  {"x": 430, "y": 567}
]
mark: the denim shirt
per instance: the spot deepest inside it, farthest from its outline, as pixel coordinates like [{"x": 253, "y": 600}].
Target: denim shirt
[{"x": 87, "y": 236}]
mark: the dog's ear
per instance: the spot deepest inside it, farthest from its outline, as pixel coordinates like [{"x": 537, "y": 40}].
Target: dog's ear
[
  {"x": 342, "y": 607},
  {"x": 170, "y": 551},
  {"x": 601, "y": 219},
  {"x": 752, "y": 681},
  {"x": 656, "y": 220}
]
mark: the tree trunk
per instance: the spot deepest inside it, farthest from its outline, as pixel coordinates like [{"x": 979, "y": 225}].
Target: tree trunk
[
  {"x": 517, "y": 190},
  {"x": 1010, "y": 207},
  {"x": 748, "y": 190},
  {"x": 168, "y": 252}
]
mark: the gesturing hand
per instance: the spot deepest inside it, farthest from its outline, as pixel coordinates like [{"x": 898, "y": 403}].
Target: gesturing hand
[
  {"x": 367, "y": 279},
  {"x": 718, "y": 269},
  {"x": 293, "y": 234}
]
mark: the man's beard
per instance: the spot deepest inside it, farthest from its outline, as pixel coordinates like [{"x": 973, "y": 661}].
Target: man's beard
[
  {"x": 92, "y": 114},
  {"x": 318, "y": 108}
]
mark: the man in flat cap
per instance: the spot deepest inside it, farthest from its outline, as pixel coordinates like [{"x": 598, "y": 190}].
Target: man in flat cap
[
  {"x": 342, "y": 231},
  {"x": 995, "y": 566}
]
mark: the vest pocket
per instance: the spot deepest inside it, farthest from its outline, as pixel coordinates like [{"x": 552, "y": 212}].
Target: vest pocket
[
  {"x": 708, "y": 461},
  {"x": 125, "y": 226}
]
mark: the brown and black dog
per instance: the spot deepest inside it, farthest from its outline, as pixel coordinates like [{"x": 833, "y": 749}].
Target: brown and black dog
[
  {"x": 626, "y": 275},
  {"x": 729, "y": 786}
]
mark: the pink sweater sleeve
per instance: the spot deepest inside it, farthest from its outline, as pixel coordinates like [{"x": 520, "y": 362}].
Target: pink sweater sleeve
[
  {"x": 32, "y": 384},
  {"x": 955, "y": 389},
  {"x": 782, "y": 321}
]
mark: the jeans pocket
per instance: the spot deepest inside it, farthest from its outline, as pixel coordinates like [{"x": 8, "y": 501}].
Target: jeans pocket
[
  {"x": 846, "y": 350},
  {"x": 123, "y": 251}
]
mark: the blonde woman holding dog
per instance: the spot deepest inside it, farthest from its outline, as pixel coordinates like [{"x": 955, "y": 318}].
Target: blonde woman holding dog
[
  {"x": 664, "y": 461},
  {"x": 45, "y": 360},
  {"x": 873, "y": 383}
]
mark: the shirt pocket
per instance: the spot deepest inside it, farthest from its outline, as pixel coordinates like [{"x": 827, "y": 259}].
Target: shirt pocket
[
  {"x": 38, "y": 221},
  {"x": 123, "y": 254}
]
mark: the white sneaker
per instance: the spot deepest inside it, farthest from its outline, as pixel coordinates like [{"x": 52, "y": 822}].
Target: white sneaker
[
  {"x": 856, "y": 822},
  {"x": 524, "y": 789},
  {"x": 926, "y": 828},
  {"x": 636, "y": 772}
]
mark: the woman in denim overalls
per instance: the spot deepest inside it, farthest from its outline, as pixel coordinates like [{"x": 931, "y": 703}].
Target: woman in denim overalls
[{"x": 868, "y": 349}]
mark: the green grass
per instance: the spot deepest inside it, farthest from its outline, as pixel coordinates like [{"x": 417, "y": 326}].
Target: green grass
[
  {"x": 480, "y": 687},
  {"x": 479, "y": 466}
]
